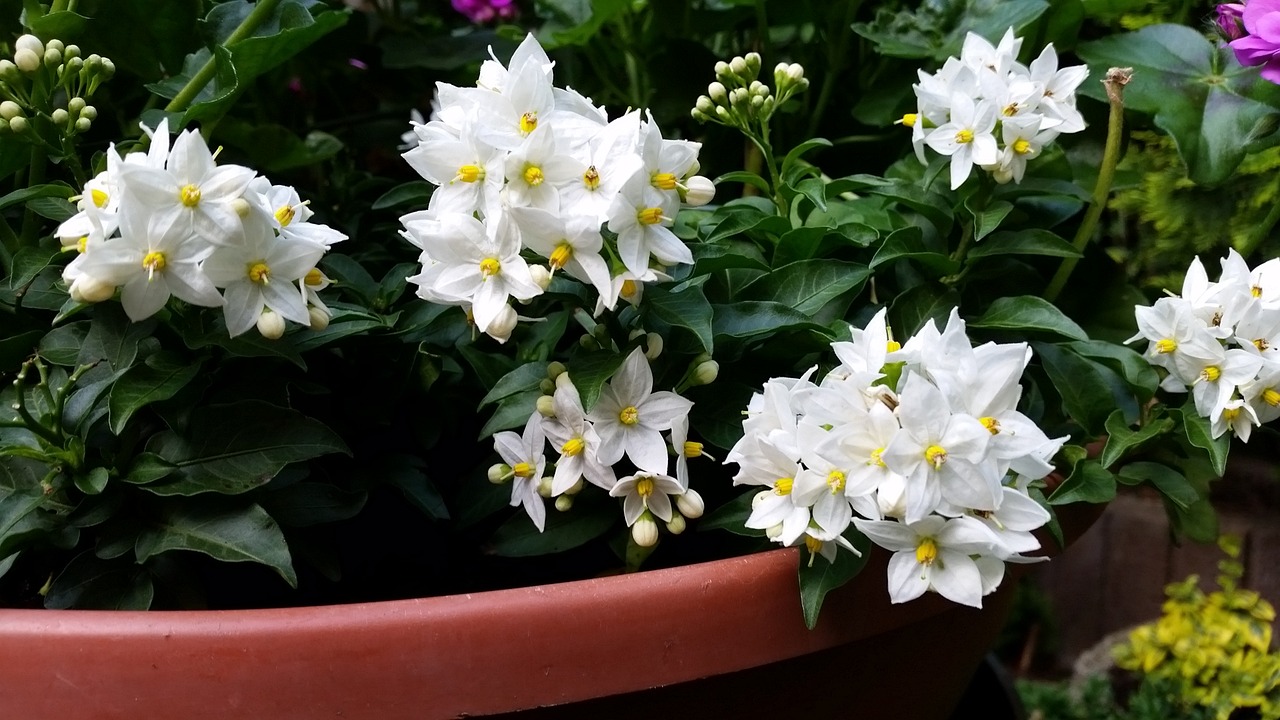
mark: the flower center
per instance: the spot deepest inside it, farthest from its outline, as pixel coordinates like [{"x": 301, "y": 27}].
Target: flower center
[
  {"x": 892, "y": 346},
  {"x": 644, "y": 487},
  {"x": 82, "y": 244},
  {"x": 875, "y": 458},
  {"x": 1211, "y": 373},
  {"x": 1021, "y": 146},
  {"x": 649, "y": 216},
  {"x": 909, "y": 119},
  {"x": 1262, "y": 344},
  {"x": 490, "y": 266},
  {"x": 964, "y": 137},
  {"x": 561, "y": 255},
  {"x": 692, "y": 449},
  {"x": 926, "y": 551},
  {"x": 935, "y": 455},
  {"x": 629, "y": 415},
  {"x": 533, "y": 175},
  {"x": 314, "y": 277},
  {"x": 470, "y": 173},
  {"x": 99, "y": 198},
  {"x": 782, "y": 486},
  {"x": 812, "y": 544},
  {"x": 573, "y": 447},
  {"x": 991, "y": 424},
  {"x": 1166, "y": 346},
  {"x": 1009, "y": 111},
  {"x": 523, "y": 470},
  {"x": 664, "y": 181},
  {"x": 259, "y": 273},
  {"x": 284, "y": 215},
  {"x": 1271, "y": 396},
  {"x": 153, "y": 262},
  {"x": 1256, "y": 291},
  {"x": 835, "y": 481},
  {"x": 591, "y": 178},
  {"x": 1230, "y": 414},
  {"x": 189, "y": 195},
  {"x": 628, "y": 288},
  {"x": 528, "y": 123}
]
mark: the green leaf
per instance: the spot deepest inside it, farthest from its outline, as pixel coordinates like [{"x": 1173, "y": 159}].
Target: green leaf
[
  {"x": 589, "y": 373},
  {"x": 913, "y": 309},
  {"x": 159, "y": 377},
  {"x": 749, "y": 319},
  {"x": 275, "y": 148},
  {"x": 727, "y": 255},
  {"x": 731, "y": 516},
  {"x": 90, "y": 583},
  {"x": 149, "y": 467},
  {"x": 1171, "y": 483},
  {"x": 738, "y": 217},
  {"x": 61, "y": 346},
  {"x": 1121, "y": 439},
  {"x": 29, "y": 262},
  {"x": 1023, "y": 242},
  {"x": 233, "y": 448},
  {"x": 512, "y": 412},
  {"x": 143, "y": 37},
  {"x": 1134, "y": 368},
  {"x": 523, "y": 379},
  {"x": 235, "y": 534},
  {"x": 407, "y": 473},
  {"x": 1089, "y": 482},
  {"x": 986, "y": 220},
  {"x": 1082, "y": 385},
  {"x": 746, "y": 178},
  {"x": 935, "y": 207},
  {"x": 586, "y": 521},
  {"x": 304, "y": 504},
  {"x": 791, "y": 169},
  {"x": 53, "y": 208},
  {"x": 21, "y": 517},
  {"x": 1200, "y": 434},
  {"x": 908, "y": 243},
  {"x": 349, "y": 274},
  {"x": 1216, "y": 111},
  {"x": 113, "y": 337},
  {"x": 92, "y": 482},
  {"x": 686, "y": 309},
  {"x": 819, "y": 577},
  {"x": 808, "y": 285},
  {"x": 25, "y": 195},
  {"x": 937, "y": 29},
  {"x": 1028, "y": 313}
]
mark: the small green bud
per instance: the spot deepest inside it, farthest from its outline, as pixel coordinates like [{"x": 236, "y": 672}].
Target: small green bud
[
  {"x": 59, "y": 117},
  {"x": 722, "y": 114},
  {"x": 83, "y": 125},
  {"x": 546, "y": 406},
  {"x": 718, "y": 94},
  {"x": 73, "y": 65},
  {"x": 500, "y": 473},
  {"x": 554, "y": 369},
  {"x": 89, "y": 112},
  {"x": 738, "y": 66},
  {"x": 753, "y": 63},
  {"x": 575, "y": 488},
  {"x": 56, "y": 44},
  {"x": 10, "y": 110},
  {"x": 75, "y": 105},
  {"x": 706, "y": 372},
  {"x": 108, "y": 68},
  {"x": 71, "y": 51},
  {"x": 677, "y": 524},
  {"x": 52, "y": 57},
  {"x": 544, "y": 486},
  {"x": 766, "y": 108},
  {"x": 601, "y": 333},
  {"x": 757, "y": 103},
  {"x": 723, "y": 73},
  {"x": 738, "y": 97},
  {"x": 26, "y": 60},
  {"x": 586, "y": 342},
  {"x": 564, "y": 503},
  {"x": 9, "y": 72},
  {"x": 547, "y": 386},
  {"x": 705, "y": 105}
]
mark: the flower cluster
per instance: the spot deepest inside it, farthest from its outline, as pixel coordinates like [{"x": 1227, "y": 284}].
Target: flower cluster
[
  {"x": 1221, "y": 341},
  {"x": 628, "y": 420},
  {"x": 172, "y": 222},
  {"x": 520, "y": 164},
  {"x": 920, "y": 446},
  {"x": 987, "y": 109},
  {"x": 39, "y": 69},
  {"x": 1250, "y": 27}
]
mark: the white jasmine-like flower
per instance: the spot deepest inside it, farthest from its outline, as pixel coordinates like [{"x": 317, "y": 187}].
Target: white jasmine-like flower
[
  {"x": 576, "y": 440},
  {"x": 967, "y": 137},
  {"x": 684, "y": 449},
  {"x": 933, "y": 554},
  {"x": 570, "y": 243},
  {"x": 642, "y": 217},
  {"x": 630, "y": 417},
  {"x": 646, "y": 491},
  {"x": 524, "y": 453}
]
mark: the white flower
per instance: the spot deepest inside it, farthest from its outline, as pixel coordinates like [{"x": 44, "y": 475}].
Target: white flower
[
  {"x": 646, "y": 491},
  {"x": 967, "y": 137},
  {"x": 934, "y": 554},
  {"x": 572, "y": 243},
  {"x": 576, "y": 440},
  {"x": 642, "y": 216},
  {"x": 630, "y": 417},
  {"x": 524, "y": 453}
]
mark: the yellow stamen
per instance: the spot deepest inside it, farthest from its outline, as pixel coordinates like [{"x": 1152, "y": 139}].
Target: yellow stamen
[
  {"x": 644, "y": 487},
  {"x": 1021, "y": 146},
  {"x": 936, "y": 455},
  {"x": 1261, "y": 344},
  {"x": 1271, "y": 396},
  {"x": 875, "y": 458},
  {"x": 909, "y": 119},
  {"x": 692, "y": 449},
  {"x": 561, "y": 256},
  {"x": 664, "y": 181},
  {"x": 523, "y": 470},
  {"x": 926, "y": 551},
  {"x": 153, "y": 262},
  {"x": 314, "y": 277},
  {"x": 533, "y": 175},
  {"x": 782, "y": 486},
  {"x": 528, "y": 123},
  {"x": 964, "y": 137},
  {"x": 1230, "y": 414},
  {"x": 892, "y": 346},
  {"x": 835, "y": 481},
  {"x": 1256, "y": 291},
  {"x": 628, "y": 288},
  {"x": 649, "y": 216},
  {"x": 591, "y": 178},
  {"x": 1166, "y": 346},
  {"x": 260, "y": 273},
  {"x": 1211, "y": 373},
  {"x": 991, "y": 424},
  {"x": 284, "y": 215},
  {"x": 82, "y": 244},
  {"x": 629, "y": 415},
  {"x": 490, "y": 266},
  {"x": 189, "y": 195},
  {"x": 100, "y": 198},
  {"x": 573, "y": 447},
  {"x": 812, "y": 544},
  {"x": 470, "y": 173},
  {"x": 1010, "y": 110}
]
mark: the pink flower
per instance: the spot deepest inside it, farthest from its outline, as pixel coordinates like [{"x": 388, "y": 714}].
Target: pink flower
[
  {"x": 1230, "y": 20},
  {"x": 482, "y": 11},
  {"x": 1262, "y": 45}
]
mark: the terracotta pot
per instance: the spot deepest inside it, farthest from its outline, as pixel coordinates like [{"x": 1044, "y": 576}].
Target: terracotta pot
[{"x": 617, "y": 647}]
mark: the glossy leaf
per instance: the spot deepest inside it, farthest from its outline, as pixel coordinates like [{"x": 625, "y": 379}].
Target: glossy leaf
[
  {"x": 519, "y": 537},
  {"x": 1171, "y": 483},
  {"x": 230, "y": 534},
  {"x": 1135, "y": 369},
  {"x": 1028, "y": 313},
  {"x": 1121, "y": 438},
  {"x": 1023, "y": 242},
  {"x": 749, "y": 319},
  {"x": 819, "y": 577},
  {"x": 1081, "y": 384},
  {"x": 908, "y": 243},
  {"x": 912, "y": 309},
  {"x": 808, "y": 285},
  {"x": 687, "y": 309},
  {"x": 1089, "y": 482},
  {"x": 91, "y": 583},
  {"x": 306, "y": 503},
  {"x": 1200, "y": 434},
  {"x": 159, "y": 377}
]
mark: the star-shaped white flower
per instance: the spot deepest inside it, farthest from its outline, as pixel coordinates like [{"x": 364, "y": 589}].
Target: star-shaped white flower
[{"x": 630, "y": 417}]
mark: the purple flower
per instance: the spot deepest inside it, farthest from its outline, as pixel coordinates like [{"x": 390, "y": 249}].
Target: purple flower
[
  {"x": 1230, "y": 20},
  {"x": 1262, "y": 45},
  {"x": 482, "y": 11}
]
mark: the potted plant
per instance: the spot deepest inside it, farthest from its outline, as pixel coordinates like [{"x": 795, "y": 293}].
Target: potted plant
[{"x": 229, "y": 392}]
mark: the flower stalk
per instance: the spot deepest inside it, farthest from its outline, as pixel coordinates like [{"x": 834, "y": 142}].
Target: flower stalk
[{"x": 188, "y": 93}]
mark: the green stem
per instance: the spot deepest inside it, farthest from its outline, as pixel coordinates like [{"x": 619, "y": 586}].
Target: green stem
[
  {"x": 966, "y": 239},
  {"x": 8, "y": 246},
  {"x": 35, "y": 176},
  {"x": 59, "y": 6},
  {"x": 1261, "y": 232},
  {"x": 1115, "y": 82},
  {"x": 188, "y": 93},
  {"x": 835, "y": 66}
]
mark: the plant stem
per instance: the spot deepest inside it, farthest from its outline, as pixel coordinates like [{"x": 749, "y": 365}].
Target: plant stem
[
  {"x": 1115, "y": 81},
  {"x": 188, "y": 93},
  {"x": 59, "y": 6},
  {"x": 835, "y": 65},
  {"x": 1261, "y": 232},
  {"x": 35, "y": 176}
]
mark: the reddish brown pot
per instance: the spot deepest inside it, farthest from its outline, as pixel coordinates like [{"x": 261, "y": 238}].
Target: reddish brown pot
[{"x": 617, "y": 647}]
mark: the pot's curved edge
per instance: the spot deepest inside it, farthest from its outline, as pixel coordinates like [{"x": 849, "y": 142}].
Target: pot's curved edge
[{"x": 438, "y": 657}]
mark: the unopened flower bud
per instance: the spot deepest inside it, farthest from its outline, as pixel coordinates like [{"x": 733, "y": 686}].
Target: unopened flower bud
[
  {"x": 544, "y": 486},
  {"x": 564, "y": 503},
  {"x": 738, "y": 96},
  {"x": 757, "y": 103},
  {"x": 716, "y": 91},
  {"x": 555, "y": 369},
  {"x": 706, "y": 372},
  {"x": 541, "y": 276},
  {"x": 768, "y": 106},
  {"x": 773, "y": 532},
  {"x": 10, "y": 110},
  {"x": 75, "y": 105},
  {"x": 271, "y": 324},
  {"x": 699, "y": 191},
  {"x": 29, "y": 42},
  {"x": 653, "y": 345},
  {"x": 738, "y": 66},
  {"x": 19, "y": 125},
  {"x": 500, "y": 473},
  {"x": 59, "y": 117},
  {"x": 108, "y": 68},
  {"x": 690, "y": 504},
  {"x": 705, "y": 105},
  {"x": 546, "y": 406},
  {"x": 586, "y": 342},
  {"x": 56, "y": 44},
  {"x": 241, "y": 207},
  {"x": 795, "y": 72},
  {"x": 575, "y": 488},
  {"x": 52, "y": 57},
  {"x": 564, "y": 381},
  {"x": 677, "y": 524},
  {"x": 89, "y": 112},
  {"x": 758, "y": 88},
  {"x": 753, "y": 63},
  {"x": 71, "y": 51},
  {"x": 722, "y": 114},
  {"x": 83, "y": 125},
  {"x": 500, "y": 327},
  {"x": 88, "y": 289},
  {"x": 319, "y": 317},
  {"x": 9, "y": 72},
  {"x": 723, "y": 72},
  {"x": 547, "y": 386},
  {"x": 645, "y": 531},
  {"x": 72, "y": 66}
]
